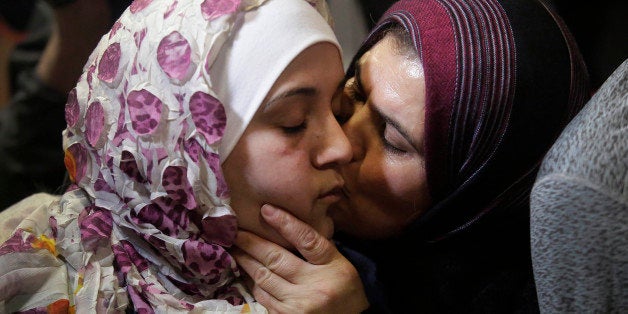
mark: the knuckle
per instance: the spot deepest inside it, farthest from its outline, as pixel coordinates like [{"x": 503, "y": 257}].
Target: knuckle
[
  {"x": 327, "y": 296},
  {"x": 310, "y": 241},
  {"x": 262, "y": 275},
  {"x": 274, "y": 260},
  {"x": 348, "y": 271}
]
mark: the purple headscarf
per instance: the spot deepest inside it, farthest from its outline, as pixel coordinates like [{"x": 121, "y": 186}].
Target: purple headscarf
[{"x": 497, "y": 97}]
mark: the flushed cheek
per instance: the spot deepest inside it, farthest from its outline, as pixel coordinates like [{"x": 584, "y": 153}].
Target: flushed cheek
[
  {"x": 285, "y": 182},
  {"x": 373, "y": 178},
  {"x": 393, "y": 184},
  {"x": 393, "y": 178}
]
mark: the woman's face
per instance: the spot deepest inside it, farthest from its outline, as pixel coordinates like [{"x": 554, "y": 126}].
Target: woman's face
[
  {"x": 385, "y": 182},
  {"x": 290, "y": 152}
]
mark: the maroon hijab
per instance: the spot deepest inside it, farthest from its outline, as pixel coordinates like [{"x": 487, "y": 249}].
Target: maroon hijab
[{"x": 502, "y": 79}]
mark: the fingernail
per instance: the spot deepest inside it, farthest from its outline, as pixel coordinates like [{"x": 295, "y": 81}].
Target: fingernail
[{"x": 268, "y": 211}]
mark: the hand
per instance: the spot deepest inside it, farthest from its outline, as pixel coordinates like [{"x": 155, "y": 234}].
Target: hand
[{"x": 325, "y": 282}]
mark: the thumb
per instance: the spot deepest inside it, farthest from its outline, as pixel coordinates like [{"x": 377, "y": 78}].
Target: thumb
[{"x": 314, "y": 247}]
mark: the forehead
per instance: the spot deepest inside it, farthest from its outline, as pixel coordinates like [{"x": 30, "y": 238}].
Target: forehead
[
  {"x": 318, "y": 67},
  {"x": 394, "y": 81}
]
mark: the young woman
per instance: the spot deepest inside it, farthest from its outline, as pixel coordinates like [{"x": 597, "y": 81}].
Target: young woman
[{"x": 185, "y": 110}]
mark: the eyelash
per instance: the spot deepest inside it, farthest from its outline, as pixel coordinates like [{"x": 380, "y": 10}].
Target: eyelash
[
  {"x": 355, "y": 91},
  {"x": 389, "y": 147},
  {"x": 292, "y": 130}
]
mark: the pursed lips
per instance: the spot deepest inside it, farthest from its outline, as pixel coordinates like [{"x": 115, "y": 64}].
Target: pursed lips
[{"x": 334, "y": 194}]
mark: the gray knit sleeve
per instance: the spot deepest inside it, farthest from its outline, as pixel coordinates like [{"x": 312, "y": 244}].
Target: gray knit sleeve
[{"x": 579, "y": 209}]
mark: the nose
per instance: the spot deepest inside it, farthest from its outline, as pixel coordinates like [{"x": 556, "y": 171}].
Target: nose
[{"x": 335, "y": 149}]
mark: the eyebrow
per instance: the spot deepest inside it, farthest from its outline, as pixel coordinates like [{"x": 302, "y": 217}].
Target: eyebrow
[{"x": 299, "y": 91}]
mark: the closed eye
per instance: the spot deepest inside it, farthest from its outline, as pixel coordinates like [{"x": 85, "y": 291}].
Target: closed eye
[
  {"x": 292, "y": 130},
  {"x": 389, "y": 146},
  {"x": 354, "y": 91}
]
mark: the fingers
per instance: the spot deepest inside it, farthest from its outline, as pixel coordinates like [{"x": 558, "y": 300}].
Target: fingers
[
  {"x": 263, "y": 297},
  {"x": 315, "y": 248},
  {"x": 268, "y": 255},
  {"x": 259, "y": 277},
  {"x": 285, "y": 283},
  {"x": 309, "y": 288}
]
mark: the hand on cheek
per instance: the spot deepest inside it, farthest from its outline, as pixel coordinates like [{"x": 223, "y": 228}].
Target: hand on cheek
[{"x": 324, "y": 282}]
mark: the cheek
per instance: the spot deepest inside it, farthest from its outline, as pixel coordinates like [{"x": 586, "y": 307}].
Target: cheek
[
  {"x": 390, "y": 193},
  {"x": 267, "y": 172},
  {"x": 391, "y": 179},
  {"x": 404, "y": 181},
  {"x": 264, "y": 173}
]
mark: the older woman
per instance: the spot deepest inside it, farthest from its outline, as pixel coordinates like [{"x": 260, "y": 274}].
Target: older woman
[{"x": 451, "y": 106}]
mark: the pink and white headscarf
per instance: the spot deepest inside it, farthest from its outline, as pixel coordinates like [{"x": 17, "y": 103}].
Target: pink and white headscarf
[{"x": 162, "y": 101}]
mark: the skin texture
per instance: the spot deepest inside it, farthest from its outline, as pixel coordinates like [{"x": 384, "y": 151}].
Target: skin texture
[
  {"x": 386, "y": 183},
  {"x": 385, "y": 164},
  {"x": 290, "y": 152}
]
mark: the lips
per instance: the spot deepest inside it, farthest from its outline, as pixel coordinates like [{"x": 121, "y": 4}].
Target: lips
[
  {"x": 334, "y": 191},
  {"x": 334, "y": 194}
]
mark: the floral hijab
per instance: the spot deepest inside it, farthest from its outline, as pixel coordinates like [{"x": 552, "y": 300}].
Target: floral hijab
[{"x": 146, "y": 223}]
